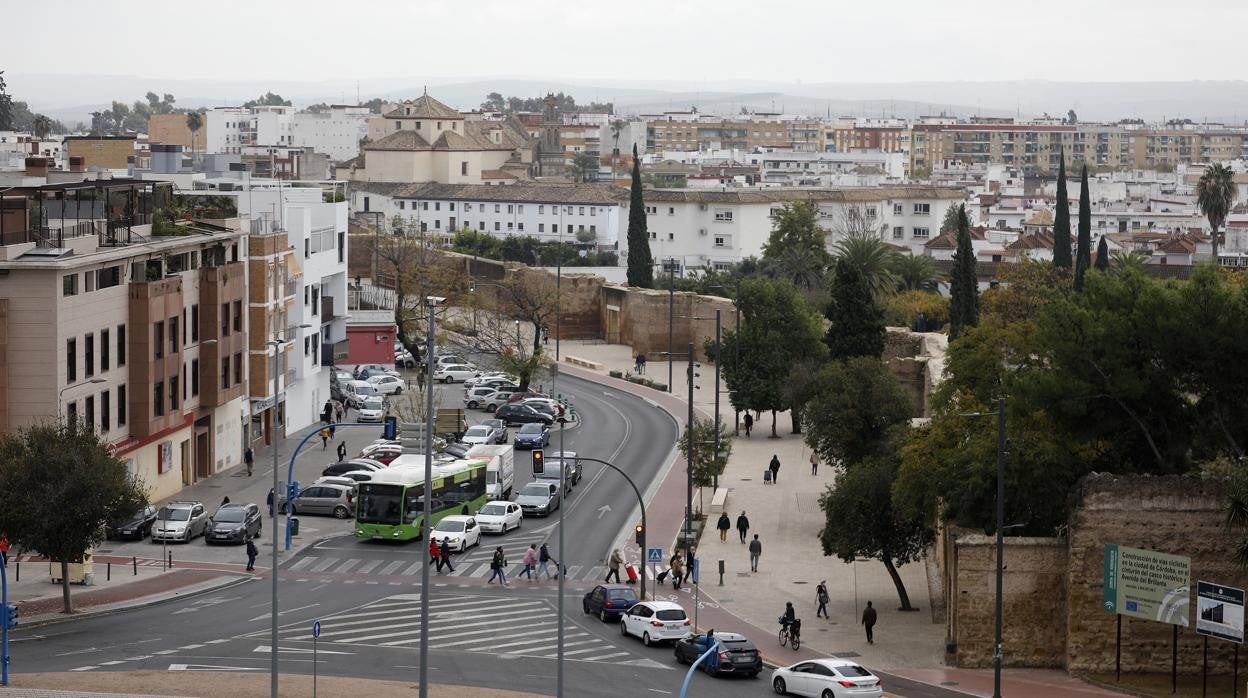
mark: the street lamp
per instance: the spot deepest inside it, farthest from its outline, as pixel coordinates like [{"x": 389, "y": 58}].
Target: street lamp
[
  {"x": 61, "y": 394},
  {"x": 426, "y": 530}
]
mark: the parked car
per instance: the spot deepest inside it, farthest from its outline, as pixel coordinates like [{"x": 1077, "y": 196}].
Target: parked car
[
  {"x": 347, "y": 466},
  {"x": 355, "y": 392},
  {"x": 519, "y": 395},
  {"x": 542, "y": 407},
  {"x": 404, "y": 358},
  {"x": 572, "y": 460},
  {"x": 365, "y": 371},
  {"x": 234, "y": 523},
  {"x": 608, "y": 601},
  {"x": 356, "y": 476},
  {"x": 490, "y": 378},
  {"x": 445, "y": 359},
  {"x": 380, "y": 444},
  {"x": 333, "y": 480},
  {"x": 458, "y": 449},
  {"x": 180, "y": 521},
  {"x": 499, "y": 426},
  {"x": 499, "y": 517},
  {"x": 521, "y": 414},
  {"x": 137, "y": 526},
  {"x": 384, "y": 454},
  {"x": 498, "y": 398},
  {"x": 655, "y": 621},
  {"x": 324, "y": 498},
  {"x": 473, "y": 397},
  {"x": 461, "y": 532},
  {"x": 737, "y": 655},
  {"x": 533, "y": 435},
  {"x": 387, "y": 384},
  {"x": 538, "y": 499},
  {"x": 480, "y": 434},
  {"x": 454, "y": 373},
  {"x": 826, "y": 678},
  {"x": 371, "y": 409}
]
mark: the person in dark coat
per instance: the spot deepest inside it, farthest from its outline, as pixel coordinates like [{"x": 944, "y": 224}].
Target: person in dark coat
[
  {"x": 868, "y": 619},
  {"x": 445, "y": 551},
  {"x": 252, "y": 552},
  {"x": 775, "y": 469},
  {"x": 249, "y": 457},
  {"x": 342, "y": 451},
  {"x": 723, "y": 526},
  {"x": 749, "y": 424},
  {"x": 743, "y": 526},
  {"x": 269, "y": 500}
]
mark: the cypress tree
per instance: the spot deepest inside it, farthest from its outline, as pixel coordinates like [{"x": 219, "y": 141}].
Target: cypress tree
[
  {"x": 963, "y": 283},
  {"x": 1084, "y": 260},
  {"x": 1102, "y": 255},
  {"x": 640, "y": 261},
  {"x": 1061, "y": 220},
  {"x": 856, "y": 320}
]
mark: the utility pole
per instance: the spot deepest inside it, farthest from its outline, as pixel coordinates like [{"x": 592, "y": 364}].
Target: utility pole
[
  {"x": 736, "y": 346},
  {"x": 689, "y": 468},
  {"x": 718, "y": 329},
  {"x": 996, "y": 655},
  {"x": 425, "y": 527},
  {"x": 671, "y": 320},
  {"x": 273, "y": 664}
]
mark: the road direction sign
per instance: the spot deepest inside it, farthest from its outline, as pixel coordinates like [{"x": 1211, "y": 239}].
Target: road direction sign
[
  {"x": 1147, "y": 584},
  {"x": 1220, "y": 611},
  {"x": 654, "y": 556},
  {"x": 316, "y": 628}
]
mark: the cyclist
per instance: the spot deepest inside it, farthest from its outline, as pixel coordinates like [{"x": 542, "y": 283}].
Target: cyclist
[{"x": 789, "y": 619}]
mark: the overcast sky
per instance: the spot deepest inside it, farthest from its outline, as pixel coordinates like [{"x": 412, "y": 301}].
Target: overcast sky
[{"x": 638, "y": 42}]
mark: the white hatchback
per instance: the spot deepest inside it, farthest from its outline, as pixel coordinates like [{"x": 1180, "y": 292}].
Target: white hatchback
[
  {"x": 499, "y": 517},
  {"x": 460, "y": 532},
  {"x": 454, "y": 373},
  {"x": 655, "y": 621}
]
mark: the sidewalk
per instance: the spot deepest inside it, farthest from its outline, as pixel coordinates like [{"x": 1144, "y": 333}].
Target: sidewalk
[
  {"x": 787, "y": 518},
  {"x": 236, "y": 684}
]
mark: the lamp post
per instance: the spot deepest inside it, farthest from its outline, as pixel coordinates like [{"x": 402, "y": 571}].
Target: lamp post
[
  {"x": 61, "y": 394},
  {"x": 426, "y": 529},
  {"x": 689, "y": 468},
  {"x": 718, "y": 329},
  {"x": 671, "y": 308}
]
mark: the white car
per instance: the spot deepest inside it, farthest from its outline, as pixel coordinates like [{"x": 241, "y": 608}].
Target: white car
[
  {"x": 824, "y": 678},
  {"x": 462, "y": 532},
  {"x": 479, "y": 434},
  {"x": 492, "y": 376},
  {"x": 499, "y": 517},
  {"x": 447, "y": 359},
  {"x": 655, "y": 621},
  {"x": 372, "y": 409},
  {"x": 473, "y": 396},
  {"x": 454, "y": 373},
  {"x": 387, "y": 384}
]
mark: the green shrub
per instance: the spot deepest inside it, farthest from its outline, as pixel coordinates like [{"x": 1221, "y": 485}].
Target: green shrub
[{"x": 903, "y": 310}]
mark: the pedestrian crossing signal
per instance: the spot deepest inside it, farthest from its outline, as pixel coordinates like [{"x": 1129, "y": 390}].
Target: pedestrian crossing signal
[
  {"x": 641, "y": 534},
  {"x": 538, "y": 464},
  {"x": 8, "y": 616}
]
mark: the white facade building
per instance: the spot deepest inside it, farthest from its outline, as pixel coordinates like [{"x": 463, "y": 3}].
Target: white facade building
[
  {"x": 231, "y": 128},
  {"x": 336, "y": 132}
]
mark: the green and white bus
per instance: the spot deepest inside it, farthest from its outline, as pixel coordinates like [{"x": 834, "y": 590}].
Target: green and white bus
[{"x": 391, "y": 506}]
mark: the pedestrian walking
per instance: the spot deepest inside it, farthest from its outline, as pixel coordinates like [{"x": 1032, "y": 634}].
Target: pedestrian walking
[
  {"x": 868, "y": 619},
  {"x": 814, "y": 463},
  {"x": 224, "y": 501},
  {"x": 325, "y": 438},
  {"x": 821, "y": 598},
  {"x": 756, "y": 551},
  {"x": 339, "y": 411},
  {"x": 775, "y": 468},
  {"x": 613, "y": 566},
  {"x": 4, "y": 548},
  {"x": 743, "y": 526},
  {"x": 252, "y": 552},
  {"x": 332, "y": 430},
  {"x": 435, "y": 554},
  {"x": 249, "y": 457},
  {"x": 342, "y": 451},
  {"x": 678, "y": 570},
  {"x": 749, "y": 424},
  {"x": 444, "y": 554},
  {"x": 723, "y": 526},
  {"x": 498, "y": 565},
  {"x": 530, "y": 562},
  {"x": 269, "y": 500},
  {"x": 543, "y": 562},
  {"x": 327, "y": 412}
]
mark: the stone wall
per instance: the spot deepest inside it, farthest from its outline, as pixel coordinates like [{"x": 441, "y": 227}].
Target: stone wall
[
  {"x": 1172, "y": 514},
  {"x": 1033, "y": 606},
  {"x": 644, "y": 317}
]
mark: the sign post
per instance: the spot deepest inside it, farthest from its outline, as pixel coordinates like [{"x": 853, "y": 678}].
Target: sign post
[
  {"x": 316, "y": 633},
  {"x": 1220, "y": 614},
  {"x": 1149, "y": 585}
]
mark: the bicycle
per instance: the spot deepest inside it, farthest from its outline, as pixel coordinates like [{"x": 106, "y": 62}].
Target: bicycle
[{"x": 791, "y": 634}]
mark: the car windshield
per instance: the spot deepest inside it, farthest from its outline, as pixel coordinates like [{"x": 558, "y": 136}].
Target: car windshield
[
  {"x": 491, "y": 477},
  {"x": 175, "y": 514},
  {"x": 493, "y": 510},
  {"x": 229, "y": 516},
  {"x": 533, "y": 428},
  {"x": 622, "y": 595},
  {"x": 373, "y": 403},
  {"x": 380, "y": 504},
  {"x": 450, "y": 526},
  {"x": 670, "y": 614},
  {"x": 852, "y": 671},
  {"x": 493, "y": 423},
  {"x": 477, "y": 431},
  {"x": 533, "y": 490}
]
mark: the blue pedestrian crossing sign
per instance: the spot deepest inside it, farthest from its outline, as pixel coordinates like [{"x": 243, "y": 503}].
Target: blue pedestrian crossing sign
[
  {"x": 316, "y": 628},
  {"x": 654, "y": 556}
]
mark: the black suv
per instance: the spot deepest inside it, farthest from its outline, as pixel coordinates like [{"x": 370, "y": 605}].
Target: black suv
[
  {"x": 737, "y": 655},
  {"x": 522, "y": 414},
  {"x": 136, "y": 527},
  {"x": 234, "y": 523}
]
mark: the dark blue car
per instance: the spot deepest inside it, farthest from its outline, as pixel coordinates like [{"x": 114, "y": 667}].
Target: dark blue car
[
  {"x": 609, "y": 601},
  {"x": 533, "y": 436}
]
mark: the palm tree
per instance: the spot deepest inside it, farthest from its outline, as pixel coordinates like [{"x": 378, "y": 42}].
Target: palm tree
[
  {"x": 874, "y": 261},
  {"x": 1124, "y": 260},
  {"x": 194, "y": 122},
  {"x": 42, "y": 126},
  {"x": 1215, "y": 193},
  {"x": 915, "y": 272},
  {"x": 804, "y": 270},
  {"x": 617, "y": 127}
]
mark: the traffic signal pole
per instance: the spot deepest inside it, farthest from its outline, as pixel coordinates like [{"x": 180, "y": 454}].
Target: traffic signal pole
[{"x": 5, "y": 621}]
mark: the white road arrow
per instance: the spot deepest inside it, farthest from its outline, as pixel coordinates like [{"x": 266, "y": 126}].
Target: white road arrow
[{"x": 602, "y": 510}]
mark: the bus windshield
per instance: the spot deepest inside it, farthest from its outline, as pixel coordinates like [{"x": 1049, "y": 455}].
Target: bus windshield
[{"x": 380, "y": 504}]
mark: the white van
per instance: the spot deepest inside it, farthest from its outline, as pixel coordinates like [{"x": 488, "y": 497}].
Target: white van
[
  {"x": 355, "y": 392},
  {"x": 500, "y": 471}
]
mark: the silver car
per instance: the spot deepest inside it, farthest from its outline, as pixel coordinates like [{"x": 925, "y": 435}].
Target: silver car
[
  {"x": 325, "y": 498},
  {"x": 180, "y": 521}
]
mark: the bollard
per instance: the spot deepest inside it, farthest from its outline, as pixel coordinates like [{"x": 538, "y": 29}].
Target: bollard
[
  {"x": 108, "y": 572},
  {"x": 135, "y": 561},
  {"x": 721, "y": 573},
  {"x": 17, "y": 571},
  {"x": 170, "y": 559}
]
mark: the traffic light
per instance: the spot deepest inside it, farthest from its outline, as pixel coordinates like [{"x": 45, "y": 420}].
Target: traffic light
[
  {"x": 641, "y": 534},
  {"x": 8, "y": 616},
  {"x": 538, "y": 464},
  {"x": 391, "y": 429}
]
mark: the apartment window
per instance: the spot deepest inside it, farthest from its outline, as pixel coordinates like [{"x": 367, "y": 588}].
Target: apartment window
[
  {"x": 158, "y": 399},
  {"x": 671, "y": 236},
  {"x": 69, "y": 285},
  {"x": 654, "y": 236},
  {"x": 897, "y": 209},
  {"x": 463, "y": 168},
  {"x": 195, "y": 323},
  {"x": 184, "y": 325},
  {"x": 238, "y": 316},
  {"x": 424, "y": 205},
  {"x": 497, "y": 208},
  {"x": 88, "y": 354},
  {"x": 88, "y": 414},
  {"x": 520, "y": 227},
  {"x": 306, "y": 291},
  {"x": 920, "y": 232},
  {"x": 159, "y": 343},
  {"x": 899, "y": 232},
  {"x": 569, "y": 229},
  {"x": 541, "y": 208},
  {"x": 922, "y": 209},
  {"x": 593, "y": 210},
  {"x": 71, "y": 411},
  {"x": 593, "y": 229},
  {"x": 225, "y": 319},
  {"x": 723, "y": 215},
  {"x": 307, "y": 248},
  {"x": 342, "y": 248},
  {"x": 316, "y": 348},
  {"x": 541, "y": 227},
  {"x": 437, "y": 205},
  {"x": 451, "y": 206},
  {"x": 480, "y": 225},
  {"x": 238, "y": 368},
  {"x": 173, "y": 335},
  {"x": 173, "y": 394},
  {"x": 520, "y": 208},
  {"x": 316, "y": 301},
  {"x": 88, "y": 281},
  {"x": 121, "y": 346},
  {"x": 719, "y": 240},
  {"x": 109, "y": 277},
  {"x": 480, "y": 208},
  {"x": 106, "y": 416},
  {"x": 581, "y": 210},
  {"x": 307, "y": 348},
  {"x": 225, "y": 373},
  {"x": 184, "y": 383},
  {"x": 870, "y": 212},
  {"x": 497, "y": 227},
  {"x": 121, "y": 405},
  {"x": 580, "y": 228},
  {"x": 511, "y": 209},
  {"x": 194, "y": 377},
  {"x": 71, "y": 360},
  {"x": 401, "y": 204}
]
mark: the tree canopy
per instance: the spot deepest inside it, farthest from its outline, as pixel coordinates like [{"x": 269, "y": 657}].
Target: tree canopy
[
  {"x": 856, "y": 404},
  {"x": 640, "y": 260},
  {"x": 856, "y": 320}
]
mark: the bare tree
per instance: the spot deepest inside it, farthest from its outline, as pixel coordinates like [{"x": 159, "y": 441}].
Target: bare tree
[
  {"x": 858, "y": 221},
  {"x": 419, "y": 271},
  {"x": 523, "y": 303}
]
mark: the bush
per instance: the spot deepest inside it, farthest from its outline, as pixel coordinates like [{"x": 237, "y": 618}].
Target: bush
[
  {"x": 903, "y": 310},
  {"x": 615, "y": 374}
]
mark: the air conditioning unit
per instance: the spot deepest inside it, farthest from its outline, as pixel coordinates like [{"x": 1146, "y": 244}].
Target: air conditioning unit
[
  {"x": 702, "y": 207},
  {"x": 702, "y": 232}
]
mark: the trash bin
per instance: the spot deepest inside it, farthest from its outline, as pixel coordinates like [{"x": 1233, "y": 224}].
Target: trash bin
[
  {"x": 294, "y": 526},
  {"x": 81, "y": 572}
]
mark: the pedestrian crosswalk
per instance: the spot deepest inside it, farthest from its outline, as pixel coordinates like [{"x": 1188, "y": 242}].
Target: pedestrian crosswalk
[
  {"x": 463, "y": 623},
  {"x": 475, "y": 563}
]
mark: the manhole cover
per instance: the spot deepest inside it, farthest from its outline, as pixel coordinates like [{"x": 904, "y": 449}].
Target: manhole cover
[
  {"x": 793, "y": 582},
  {"x": 743, "y": 574},
  {"x": 948, "y": 683},
  {"x": 744, "y": 479},
  {"x": 846, "y": 655}
]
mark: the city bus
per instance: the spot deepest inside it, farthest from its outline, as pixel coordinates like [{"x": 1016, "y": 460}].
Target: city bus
[{"x": 391, "y": 505}]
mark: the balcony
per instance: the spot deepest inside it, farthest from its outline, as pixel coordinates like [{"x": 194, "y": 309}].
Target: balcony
[{"x": 49, "y": 215}]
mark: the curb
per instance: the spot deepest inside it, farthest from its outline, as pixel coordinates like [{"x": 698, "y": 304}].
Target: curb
[{"x": 122, "y": 606}]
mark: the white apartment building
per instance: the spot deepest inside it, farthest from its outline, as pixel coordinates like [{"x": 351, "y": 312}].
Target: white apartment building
[
  {"x": 336, "y": 132},
  {"x": 231, "y": 128},
  {"x": 828, "y": 169}
]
